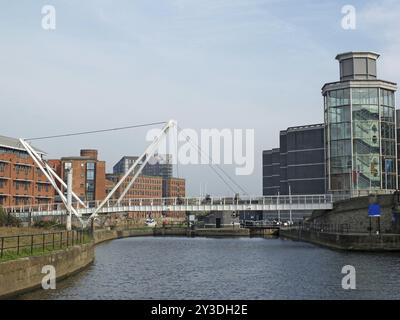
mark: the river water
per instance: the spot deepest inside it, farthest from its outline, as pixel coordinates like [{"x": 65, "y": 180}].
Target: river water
[{"x": 226, "y": 268}]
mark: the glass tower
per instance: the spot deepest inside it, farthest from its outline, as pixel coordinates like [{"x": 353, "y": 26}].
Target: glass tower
[{"x": 360, "y": 135}]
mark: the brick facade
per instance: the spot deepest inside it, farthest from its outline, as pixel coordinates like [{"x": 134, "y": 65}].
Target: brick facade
[
  {"x": 21, "y": 181},
  {"x": 88, "y": 174}
]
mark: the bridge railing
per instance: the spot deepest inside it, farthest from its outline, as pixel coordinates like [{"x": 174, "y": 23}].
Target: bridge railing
[{"x": 183, "y": 201}]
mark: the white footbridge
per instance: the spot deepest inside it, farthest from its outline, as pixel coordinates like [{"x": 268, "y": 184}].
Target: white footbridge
[
  {"x": 198, "y": 204},
  {"x": 85, "y": 212}
]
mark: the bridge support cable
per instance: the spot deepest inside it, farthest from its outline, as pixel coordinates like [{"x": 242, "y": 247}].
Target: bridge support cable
[
  {"x": 96, "y": 131},
  {"x": 41, "y": 164},
  {"x": 217, "y": 166},
  {"x": 143, "y": 159}
]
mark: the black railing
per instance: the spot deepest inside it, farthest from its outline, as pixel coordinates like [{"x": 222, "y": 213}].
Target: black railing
[
  {"x": 326, "y": 228},
  {"x": 29, "y": 244},
  {"x": 371, "y": 228}
]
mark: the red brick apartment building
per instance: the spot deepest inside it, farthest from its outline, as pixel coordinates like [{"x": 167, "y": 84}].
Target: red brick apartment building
[
  {"x": 21, "y": 181},
  {"x": 143, "y": 187},
  {"x": 88, "y": 174},
  {"x": 174, "y": 188},
  {"x": 149, "y": 187}
]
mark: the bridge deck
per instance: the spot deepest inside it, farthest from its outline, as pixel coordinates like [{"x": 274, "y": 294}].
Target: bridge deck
[{"x": 271, "y": 203}]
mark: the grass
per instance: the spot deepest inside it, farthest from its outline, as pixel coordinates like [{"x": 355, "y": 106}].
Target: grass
[
  {"x": 37, "y": 244},
  {"x": 14, "y": 231}
]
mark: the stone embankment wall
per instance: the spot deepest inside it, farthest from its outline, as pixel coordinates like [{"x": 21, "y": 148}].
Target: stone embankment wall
[
  {"x": 352, "y": 242},
  {"x": 354, "y": 213},
  {"x": 25, "y": 274},
  {"x": 106, "y": 235},
  {"x": 347, "y": 226}
]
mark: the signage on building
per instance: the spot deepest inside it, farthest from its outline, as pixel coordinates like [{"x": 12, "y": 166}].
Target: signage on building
[{"x": 374, "y": 210}]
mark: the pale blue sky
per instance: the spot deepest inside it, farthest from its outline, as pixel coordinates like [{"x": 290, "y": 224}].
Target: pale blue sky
[{"x": 256, "y": 64}]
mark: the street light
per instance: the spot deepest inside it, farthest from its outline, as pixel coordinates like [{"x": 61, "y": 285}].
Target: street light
[
  {"x": 277, "y": 207},
  {"x": 290, "y": 207}
]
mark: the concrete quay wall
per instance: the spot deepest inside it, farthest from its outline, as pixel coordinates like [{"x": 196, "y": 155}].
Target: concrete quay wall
[
  {"x": 351, "y": 242},
  {"x": 354, "y": 213},
  {"x": 25, "y": 274}
]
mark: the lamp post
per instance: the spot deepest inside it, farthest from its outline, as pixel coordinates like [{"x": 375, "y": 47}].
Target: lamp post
[
  {"x": 277, "y": 207},
  {"x": 370, "y": 174},
  {"x": 290, "y": 209}
]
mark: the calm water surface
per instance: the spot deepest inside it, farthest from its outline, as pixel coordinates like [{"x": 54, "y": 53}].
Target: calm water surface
[{"x": 228, "y": 268}]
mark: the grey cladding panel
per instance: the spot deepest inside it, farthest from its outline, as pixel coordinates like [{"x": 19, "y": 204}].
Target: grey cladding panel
[
  {"x": 372, "y": 67},
  {"x": 347, "y": 67},
  {"x": 360, "y": 66}
]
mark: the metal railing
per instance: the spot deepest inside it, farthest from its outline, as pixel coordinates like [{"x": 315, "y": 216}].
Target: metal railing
[
  {"x": 258, "y": 223},
  {"x": 28, "y": 244},
  {"x": 325, "y": 227},
  {"x": 183, "y": 202},
  {"x": 339, "y": 196},
  {"x": 335, "y": 228}
]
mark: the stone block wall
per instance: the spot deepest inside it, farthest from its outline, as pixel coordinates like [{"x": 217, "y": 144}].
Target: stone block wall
[{"x": 354, "y": 213}]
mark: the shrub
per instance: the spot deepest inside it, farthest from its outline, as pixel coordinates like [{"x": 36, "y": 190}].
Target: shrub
[{"x": 8, "y": 219}]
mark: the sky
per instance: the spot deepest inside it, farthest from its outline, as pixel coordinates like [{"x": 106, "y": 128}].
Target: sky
[{"x": 236, "y": 64}]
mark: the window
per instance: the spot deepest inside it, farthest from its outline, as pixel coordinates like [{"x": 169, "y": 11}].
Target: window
[
  {"x": 365, "y": 112},
  {"x": 22, "y": 169},
  {"x": 340, "y": 131},
  {"x": 90, "y": 166},
  {"x": 387, "y": 114},
  {"x": 90, "y": 175}
]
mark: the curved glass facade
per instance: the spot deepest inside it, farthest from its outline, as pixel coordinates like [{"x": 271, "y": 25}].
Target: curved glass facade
[{"x": 360, "y": 139}]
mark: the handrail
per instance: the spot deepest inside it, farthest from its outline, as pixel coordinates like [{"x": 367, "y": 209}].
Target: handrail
[
  {"x": 183, "y": 201},
  {"x": 335, "y": 228}
]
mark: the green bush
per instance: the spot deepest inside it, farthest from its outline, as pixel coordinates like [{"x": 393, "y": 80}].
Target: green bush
[{"x": 8, "y": 219}]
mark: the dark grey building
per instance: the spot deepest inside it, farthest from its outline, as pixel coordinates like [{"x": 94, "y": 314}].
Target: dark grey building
[
  {"x": 123, "y": 165},
  {"x": 271, "y": 172},
  {"x": 158, "y": 166},
  {"x": 299, "y": 163}
]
